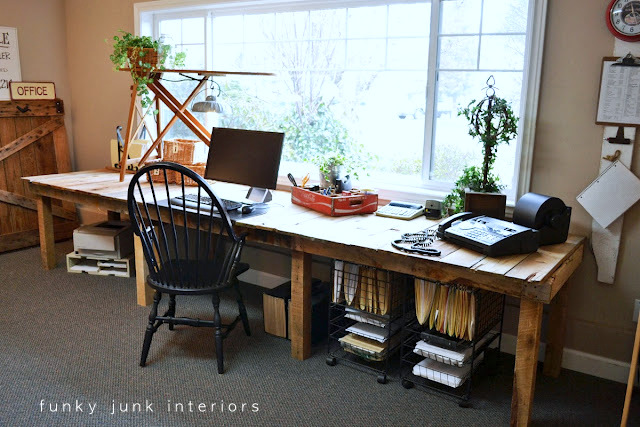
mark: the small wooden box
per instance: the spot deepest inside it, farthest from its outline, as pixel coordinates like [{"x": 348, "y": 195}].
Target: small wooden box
[
  {"x": 277, "y": 315},
  {"x": 179, "y": 150},
  {"x": 337, "y": 205}
]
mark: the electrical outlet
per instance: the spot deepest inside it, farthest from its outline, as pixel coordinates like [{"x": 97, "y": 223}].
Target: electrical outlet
[{"x": 636, "y": 310}]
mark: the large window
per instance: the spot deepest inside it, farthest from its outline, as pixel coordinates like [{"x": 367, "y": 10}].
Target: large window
[{"x": 377, "y": 81}]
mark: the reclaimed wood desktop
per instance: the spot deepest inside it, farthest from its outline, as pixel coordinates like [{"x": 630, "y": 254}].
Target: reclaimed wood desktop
[{"x": 536, "y": 279}]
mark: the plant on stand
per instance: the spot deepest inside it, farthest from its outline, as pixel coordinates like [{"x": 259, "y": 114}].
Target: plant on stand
[
  {"x": 493, "y": 122},
  {"x": 143, "y": 55}
]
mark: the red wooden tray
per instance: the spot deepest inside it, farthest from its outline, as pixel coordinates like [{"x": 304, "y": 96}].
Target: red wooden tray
[{"x": 336, "y": 205}]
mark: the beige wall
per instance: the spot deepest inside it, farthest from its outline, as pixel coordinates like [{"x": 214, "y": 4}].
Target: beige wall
[
  {"x": 566, "y": 156},
  {"x": 42, "y": 44}
]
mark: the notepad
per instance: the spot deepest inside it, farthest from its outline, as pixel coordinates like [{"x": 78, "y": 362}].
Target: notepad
[{"x": 610, "y": 194}]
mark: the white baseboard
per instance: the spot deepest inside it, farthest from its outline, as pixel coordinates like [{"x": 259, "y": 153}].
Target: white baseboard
[{"x": 579, "y": 361}]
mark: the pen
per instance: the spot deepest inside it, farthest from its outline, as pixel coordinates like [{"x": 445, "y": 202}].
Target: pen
[
  {"x": 305, "y": 180},
  {"x": 292, "y": 179}
]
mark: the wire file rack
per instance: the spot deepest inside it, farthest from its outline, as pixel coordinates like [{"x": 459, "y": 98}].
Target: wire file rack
[
  {"x": 437, "y": 352},
  {"x": 366, "y": 316}
]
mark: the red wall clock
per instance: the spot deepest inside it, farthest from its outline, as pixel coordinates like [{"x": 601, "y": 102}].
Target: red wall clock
[{"x": 623, "y": 19}]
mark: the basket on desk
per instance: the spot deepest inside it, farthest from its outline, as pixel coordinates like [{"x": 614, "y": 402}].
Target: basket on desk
[
  {"x": 179, "y": 150},
  {"x": 198, "y": 168}
]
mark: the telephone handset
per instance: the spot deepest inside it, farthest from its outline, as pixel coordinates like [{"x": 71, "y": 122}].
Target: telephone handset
[{"x": 459, "y": 217}]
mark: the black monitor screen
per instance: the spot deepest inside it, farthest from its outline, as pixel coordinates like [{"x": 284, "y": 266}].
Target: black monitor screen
[{"x": 247, "y": 157}]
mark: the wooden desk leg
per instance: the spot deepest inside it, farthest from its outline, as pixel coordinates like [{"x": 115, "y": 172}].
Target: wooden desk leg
[
  {"x": 300, "y": 310},
  {"x": 524, "y": 375},
  {"x": 144, "y": 292},
  {"x": 556, "y": 332},
  {"x": 632, "y": 374},
  {"x": 45, "y": 228}
]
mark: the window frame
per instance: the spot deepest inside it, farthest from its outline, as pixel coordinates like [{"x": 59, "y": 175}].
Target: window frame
[{"x": 147, "y": 15}]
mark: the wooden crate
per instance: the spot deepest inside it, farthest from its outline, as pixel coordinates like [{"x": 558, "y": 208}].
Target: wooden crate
[
  {"x": 32, "y": 142},
  {"x": 335, "y": 205},
  {"x": 179, "y": 150}
]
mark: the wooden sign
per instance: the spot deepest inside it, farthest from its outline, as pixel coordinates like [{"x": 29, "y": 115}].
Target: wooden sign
[
  {"x": 32, "y": 90},
  {"x": 9, "y": 60}
]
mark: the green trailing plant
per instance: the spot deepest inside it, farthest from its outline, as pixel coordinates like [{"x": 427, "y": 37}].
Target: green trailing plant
[
  {"x": 493, "y": 122},
  {"x": 128, "y": 47}
]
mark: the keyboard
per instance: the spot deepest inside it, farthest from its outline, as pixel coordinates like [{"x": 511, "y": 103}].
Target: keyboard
[{"x": 205, "y": 201}]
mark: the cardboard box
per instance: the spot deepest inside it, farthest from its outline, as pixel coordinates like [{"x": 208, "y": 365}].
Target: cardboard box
[
  {"x": 277, "y": 316},
  {"x": 336, "y": 205},
  {"x": 106, "y": 240}
]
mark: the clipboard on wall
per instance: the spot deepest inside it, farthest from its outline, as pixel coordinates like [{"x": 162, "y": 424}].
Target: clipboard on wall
[{"x": 619, "y": 95}]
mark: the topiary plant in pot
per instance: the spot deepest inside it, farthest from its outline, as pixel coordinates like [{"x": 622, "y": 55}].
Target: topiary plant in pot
[
  {"x": 493, "y": 122},
  {"x": 143, "y": 55}
]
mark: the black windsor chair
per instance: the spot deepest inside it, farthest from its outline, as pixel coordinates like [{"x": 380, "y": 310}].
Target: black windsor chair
[{"x": 189, "y": 250}]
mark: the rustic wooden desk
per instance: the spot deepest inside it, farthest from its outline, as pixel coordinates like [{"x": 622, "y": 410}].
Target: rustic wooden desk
[{"x": 536, "y": 279}]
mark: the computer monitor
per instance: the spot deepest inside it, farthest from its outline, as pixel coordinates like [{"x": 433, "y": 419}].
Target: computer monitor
[{"x": 247, "y": 157}]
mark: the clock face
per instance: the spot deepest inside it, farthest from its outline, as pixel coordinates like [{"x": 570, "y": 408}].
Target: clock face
[{"x": 624, "y": 19}]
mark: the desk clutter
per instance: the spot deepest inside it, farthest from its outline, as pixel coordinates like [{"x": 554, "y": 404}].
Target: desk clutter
[
  {"x": 446, "y": 340},
  {"x": 104, "y": 248}
]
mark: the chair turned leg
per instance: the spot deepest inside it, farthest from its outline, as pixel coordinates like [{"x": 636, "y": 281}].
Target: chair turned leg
[
  {"x": 218, "y": 326},
  {"x": 242, "y": 309},
  {"x": 148, "y": 335},
  {"x": 172, "y": 310}
]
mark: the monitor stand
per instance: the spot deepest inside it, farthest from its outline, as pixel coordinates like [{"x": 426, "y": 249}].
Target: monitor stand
[{"x": 259, "y": 195}]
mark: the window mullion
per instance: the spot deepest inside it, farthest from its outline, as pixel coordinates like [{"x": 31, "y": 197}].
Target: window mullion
[{"x": 431, "y": 90}]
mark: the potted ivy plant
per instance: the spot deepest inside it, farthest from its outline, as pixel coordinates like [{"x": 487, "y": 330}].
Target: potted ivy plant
[
  {"x": 143, "y": 55},
  {"x": 337, "y": 165},
  {"x": 493, "y": 122}
]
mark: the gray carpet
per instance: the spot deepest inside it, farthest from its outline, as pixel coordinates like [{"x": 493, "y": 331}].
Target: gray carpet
[{"x": 74, "y": 337}]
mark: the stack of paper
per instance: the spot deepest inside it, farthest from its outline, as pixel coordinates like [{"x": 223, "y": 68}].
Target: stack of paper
[
  {"x": 364, "y": 347},
  {"x": 452, "y": 376},
  {"x": 443, "y": 355},
  {"x": 360, "y": 316},
  {"x": 374, "y": 332}
]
